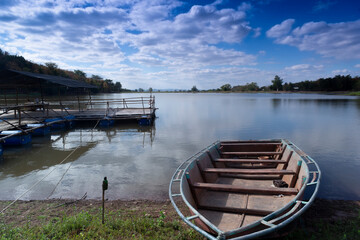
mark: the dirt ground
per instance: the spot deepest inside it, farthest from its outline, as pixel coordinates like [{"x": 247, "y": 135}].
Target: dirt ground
[{"x": 38, "y": 212}]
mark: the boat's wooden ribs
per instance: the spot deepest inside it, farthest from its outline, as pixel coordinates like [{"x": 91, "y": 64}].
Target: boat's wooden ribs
[
  {"x": 256, "y": 212},
  {"x": 246, "y": 160},
  {"x": 252, "y": 153},
  {"x": 249, "y": 144},
  {"x": 243, "y": 189},
  {"x": 249, "y": 171}
]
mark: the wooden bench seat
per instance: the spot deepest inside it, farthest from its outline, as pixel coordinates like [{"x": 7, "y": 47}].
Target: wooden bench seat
[
  {"x": 243, "y": 189},
  {"x": 249, "y": 171},
  {"x": 230, "y": 160},
  {"x": 256, "y": 212},
  {"x": 252, "y": 153},
  {"x": 250, "y": 144}
]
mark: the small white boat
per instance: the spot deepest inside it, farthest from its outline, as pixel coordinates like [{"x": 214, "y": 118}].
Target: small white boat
[{"x": 244, "y": 189}]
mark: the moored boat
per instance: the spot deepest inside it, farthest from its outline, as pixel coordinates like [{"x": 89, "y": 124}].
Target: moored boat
[{"x": 244, "y": 189}]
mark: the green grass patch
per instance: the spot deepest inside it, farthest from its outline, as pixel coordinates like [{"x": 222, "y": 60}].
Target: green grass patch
[
  {"x": 354, "y": 94},
  {"x": 347, "y": 229},
  {"x": 89, "y": 226}
]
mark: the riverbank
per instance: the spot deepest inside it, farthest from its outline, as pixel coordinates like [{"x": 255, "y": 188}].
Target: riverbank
[{"x": 144, "y": 219}]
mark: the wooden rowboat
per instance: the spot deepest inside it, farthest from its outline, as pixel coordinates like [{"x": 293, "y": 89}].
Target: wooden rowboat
[{"x": 244, "y": 189}]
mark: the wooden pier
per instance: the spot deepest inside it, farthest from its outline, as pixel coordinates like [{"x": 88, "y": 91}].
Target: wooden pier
[{"x": 21, "y": 117}]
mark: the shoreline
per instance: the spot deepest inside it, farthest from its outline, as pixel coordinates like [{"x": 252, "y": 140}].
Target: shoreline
[{"x": 29, "y": 214}]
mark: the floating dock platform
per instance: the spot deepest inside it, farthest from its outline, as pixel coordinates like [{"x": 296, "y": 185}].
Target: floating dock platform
[{"x": 21, "y": 121}]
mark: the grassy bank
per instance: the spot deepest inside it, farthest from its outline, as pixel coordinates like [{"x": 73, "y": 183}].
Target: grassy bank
[
  {"x": 153, "y": 220},
  {"x": 354, "y": 94}
]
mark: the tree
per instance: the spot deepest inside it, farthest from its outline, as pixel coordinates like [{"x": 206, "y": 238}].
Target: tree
[
  {"x": 118, "y": 86},
  {"x": 150, "y": 89},
  {"x": 226, "y": 87},
  {"x": 277, "y": 83},
  {"x": 80, "y": 75},
  {"x": 52, "y": 68},
  {"x": 194, "y": 89}
]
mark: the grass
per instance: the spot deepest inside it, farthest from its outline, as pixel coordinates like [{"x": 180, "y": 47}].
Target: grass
[
  {"x": 346, "y": 229},
  {"x": 118, "y": 225},
  {"x": 354, "y": 94},
  {"x": 326, "y": 219}
]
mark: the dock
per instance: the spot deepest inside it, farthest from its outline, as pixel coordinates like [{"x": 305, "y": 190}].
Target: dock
[
  {"x": 23, "y": 114},
  {"x": 19, "y": 122}
]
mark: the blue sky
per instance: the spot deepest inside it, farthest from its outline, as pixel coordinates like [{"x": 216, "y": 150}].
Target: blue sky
[{"x": 178, "y": 44}]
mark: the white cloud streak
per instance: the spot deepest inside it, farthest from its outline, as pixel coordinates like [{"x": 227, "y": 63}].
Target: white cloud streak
[
  {"x": 144, "y": 36},
  {"x": 335, "y": 40}
]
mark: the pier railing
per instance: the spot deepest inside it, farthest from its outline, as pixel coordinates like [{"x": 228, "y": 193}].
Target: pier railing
[
  {"x": 139, "y": 102},
  {"x": 82, "y": 104},
  {"x": 91, "y": 108}
]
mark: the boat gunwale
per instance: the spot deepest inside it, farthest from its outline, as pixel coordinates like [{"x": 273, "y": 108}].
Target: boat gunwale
[{"x": 273, "y": 217}]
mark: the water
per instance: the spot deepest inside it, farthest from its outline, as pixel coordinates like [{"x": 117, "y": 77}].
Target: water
[{"x": 139, "y": 161}]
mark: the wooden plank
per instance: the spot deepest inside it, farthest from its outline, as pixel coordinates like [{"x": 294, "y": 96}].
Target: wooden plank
[
  {"x": 251, "y": 177},
  {"x": 230, "y": 160},
  {"x": 242, "y": 189},
  {"x": 252, "y": 141},
  {"x": 249, "y": 171},
  {"x": 257, "y": 212},
  {"x": 251, "y": 153},
  {"x": 250, "y": 144}
]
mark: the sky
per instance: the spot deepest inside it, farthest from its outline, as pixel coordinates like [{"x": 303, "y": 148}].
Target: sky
[{"x": 178, "y": 44}]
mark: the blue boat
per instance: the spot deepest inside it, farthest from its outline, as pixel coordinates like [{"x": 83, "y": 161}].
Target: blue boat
[
  {"x": 145, "y": 121},
  {"x": 41, "y": 129},
  {"x": 56, "y": 126},
  {"x": 106, "y": 122},
  {"x": 18, "y": 139},
  {"x": 70, "y": 121}
]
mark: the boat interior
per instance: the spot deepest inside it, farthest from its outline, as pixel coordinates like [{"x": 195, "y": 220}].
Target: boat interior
[{"x": 236, "y": 183}]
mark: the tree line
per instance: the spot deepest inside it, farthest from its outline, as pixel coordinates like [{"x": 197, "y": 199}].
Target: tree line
[
  {"x": 331, "y": 84},
  {"x": 19, "y": 63}
]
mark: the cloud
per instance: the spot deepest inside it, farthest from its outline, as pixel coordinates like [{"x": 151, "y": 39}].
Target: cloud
[
  {"x": 323, "y": 5},
  {"x": 304, "y": 67},
  {"x": 281, "y": 29},
  {"x": 138, "y": 38},
  {"x": 340, "y": 71},
  {"x": 357, "y": 66},
  {"x": 338, "y": 40}
]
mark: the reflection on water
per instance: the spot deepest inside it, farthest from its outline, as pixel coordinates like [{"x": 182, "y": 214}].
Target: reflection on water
[{"x": 140, "y": 165}]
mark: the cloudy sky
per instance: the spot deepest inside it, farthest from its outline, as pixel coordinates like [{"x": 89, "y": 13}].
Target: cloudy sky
[{"x": 178, "y": 44}]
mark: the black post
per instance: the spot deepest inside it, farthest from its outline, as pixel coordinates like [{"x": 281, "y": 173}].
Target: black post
[{"x": 104, "y": 187}]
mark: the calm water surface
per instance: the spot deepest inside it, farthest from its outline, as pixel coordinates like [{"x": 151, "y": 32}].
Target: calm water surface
[{"x": 139, "y": 161}]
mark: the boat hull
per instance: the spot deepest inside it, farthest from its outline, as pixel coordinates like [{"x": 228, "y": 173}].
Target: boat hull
[{"x": 229, "y": 187}]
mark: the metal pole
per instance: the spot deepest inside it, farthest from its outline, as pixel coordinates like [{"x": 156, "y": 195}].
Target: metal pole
[
  {"x": 90, "y": 99},
  {"x": 142, "y": 101},
  {"x": 19, "y": 116},
  {"x": 104, "y": 187},
  {"x": 5, "y": 97},
  {"x": 78, "y": 102},
  {"x": 103, "y": 206},
  {"x": 60, "y": 101},
  {"x": 17, "y": 96}
]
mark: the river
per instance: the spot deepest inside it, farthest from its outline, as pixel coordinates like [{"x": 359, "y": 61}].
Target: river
[{"x": 139, "y": 161}]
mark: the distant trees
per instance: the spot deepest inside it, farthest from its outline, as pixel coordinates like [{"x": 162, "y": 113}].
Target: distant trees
[
  {"x": 226, "y": 87},
  {"x": 277, "y": 83},
  {"x": 14, "y": 62},
  {"x": 80, "y": 75},
  {"x": 194, "y": 89},
  {"x": 249, "y": 87},
  {"x": 337, "y": 83}
]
